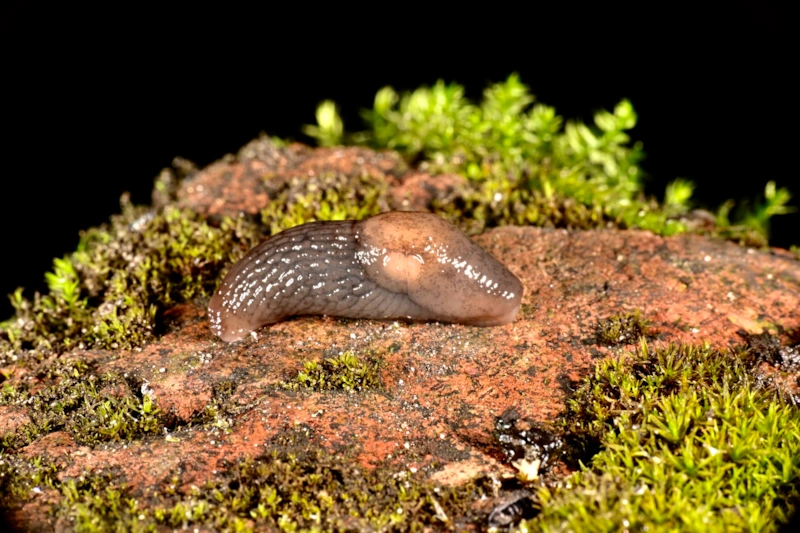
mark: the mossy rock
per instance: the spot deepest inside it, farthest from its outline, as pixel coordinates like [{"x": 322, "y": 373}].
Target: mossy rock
[{"x": 625, "y": 395}]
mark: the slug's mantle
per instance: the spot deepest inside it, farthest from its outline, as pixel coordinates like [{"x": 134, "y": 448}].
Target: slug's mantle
[{"x": 443, "y": 384}]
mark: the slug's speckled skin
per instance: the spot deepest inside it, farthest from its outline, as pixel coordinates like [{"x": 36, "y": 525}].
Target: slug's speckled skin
[{"x": 394, "y": 265}]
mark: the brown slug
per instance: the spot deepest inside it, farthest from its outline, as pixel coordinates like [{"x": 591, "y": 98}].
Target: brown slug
[{"x": 394, "y": 265}]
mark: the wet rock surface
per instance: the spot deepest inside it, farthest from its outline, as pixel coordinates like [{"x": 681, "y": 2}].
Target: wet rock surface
[{"x": 443, "y": 386}]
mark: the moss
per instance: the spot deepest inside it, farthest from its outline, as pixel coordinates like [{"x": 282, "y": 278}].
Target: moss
[
  {"x": 755, "y": 216},
  {"x": 93, "y": 409},
  {"x": 329, "y": 129},
  {"x": 500, "y": 202},
  {"x": 346, "y": 372},
  {"x": 688, "y": 440},
  {"x": 20, "y": 477},
  {"x": 530, "y": 166},
  {"x": 111, "y": 292},
  {"x": 325, "y": 197},
  {"x": 626, "y": 328},
  {"x": 295, "y": 486},
  {"x": 315, "y": 490},
  {"x": 94, "y": 503},
  {"x": 688, "y": 437}
]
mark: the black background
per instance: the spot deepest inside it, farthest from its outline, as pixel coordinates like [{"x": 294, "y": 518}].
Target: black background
[{"x": 97, "y": 102}]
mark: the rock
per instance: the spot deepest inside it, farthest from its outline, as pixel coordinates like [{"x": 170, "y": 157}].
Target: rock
[
  {"x": 12, "y": 418},
  {"x": 443, "y": 385},
  {"x": 245, "y": 183}
]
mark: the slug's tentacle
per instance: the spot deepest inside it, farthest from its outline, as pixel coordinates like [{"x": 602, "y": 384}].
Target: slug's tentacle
[{"x": 394, "y": 265}]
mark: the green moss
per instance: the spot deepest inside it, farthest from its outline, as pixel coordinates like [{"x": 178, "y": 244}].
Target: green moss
[
  {"x": 345, "y": 372},
  {"x": 688, "y": 440},
  {"x": 94, "y": 503},
  {"x": 500, "y": 202},
  {"x": 295, "y": 486},
  {"x": 93, "y": 409},
  {"x": 112, "y": 290},
  {"x": 21, "y": 477},
  {"x": 623, "y": 329},
  {"x": 314, "y": 490},
  {"x": 755, "y": 216},
  {"x": 325, "y": 197},
  {"x": 329, "y": 129},
  {"x": 529, "y": 166}
]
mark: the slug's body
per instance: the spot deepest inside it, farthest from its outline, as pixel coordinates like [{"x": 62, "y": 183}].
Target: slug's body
[{"x": 393, "y": 265}]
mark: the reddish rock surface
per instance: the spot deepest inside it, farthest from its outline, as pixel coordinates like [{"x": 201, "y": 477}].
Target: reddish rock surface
[
  {"x": 246, "y": 182},
  {"x": 443, "y": 385}
]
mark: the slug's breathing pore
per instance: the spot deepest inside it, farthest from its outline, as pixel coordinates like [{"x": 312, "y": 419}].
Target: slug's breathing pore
[{"x": 394, "y": 265}]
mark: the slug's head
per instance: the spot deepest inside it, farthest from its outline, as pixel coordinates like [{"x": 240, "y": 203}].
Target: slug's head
[{"x": 438, "y": 267}]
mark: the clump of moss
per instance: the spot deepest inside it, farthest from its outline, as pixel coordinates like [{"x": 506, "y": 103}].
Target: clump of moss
[
  {"x": 528, "y": 165},
  {"x": 19, "y": 477},
  {"x": 499, "y": 202},
  {"x": 345, "y": 372},
  {"x": 93, "y": 409},
  {"x": 295, "y": 486},
  {"x": 626, "y": 328},
  {"x": 752, "y": 219},
  {"x": 325, "y": 197},
  {"x": 688, "y": 440},
  {"x": 314, "y": 491},
  {"x": 94, "y": 503},
  {"x": 111, "y": 291}
]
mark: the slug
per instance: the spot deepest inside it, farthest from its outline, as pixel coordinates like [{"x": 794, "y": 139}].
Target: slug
[{"x": 399, "y": 264}]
